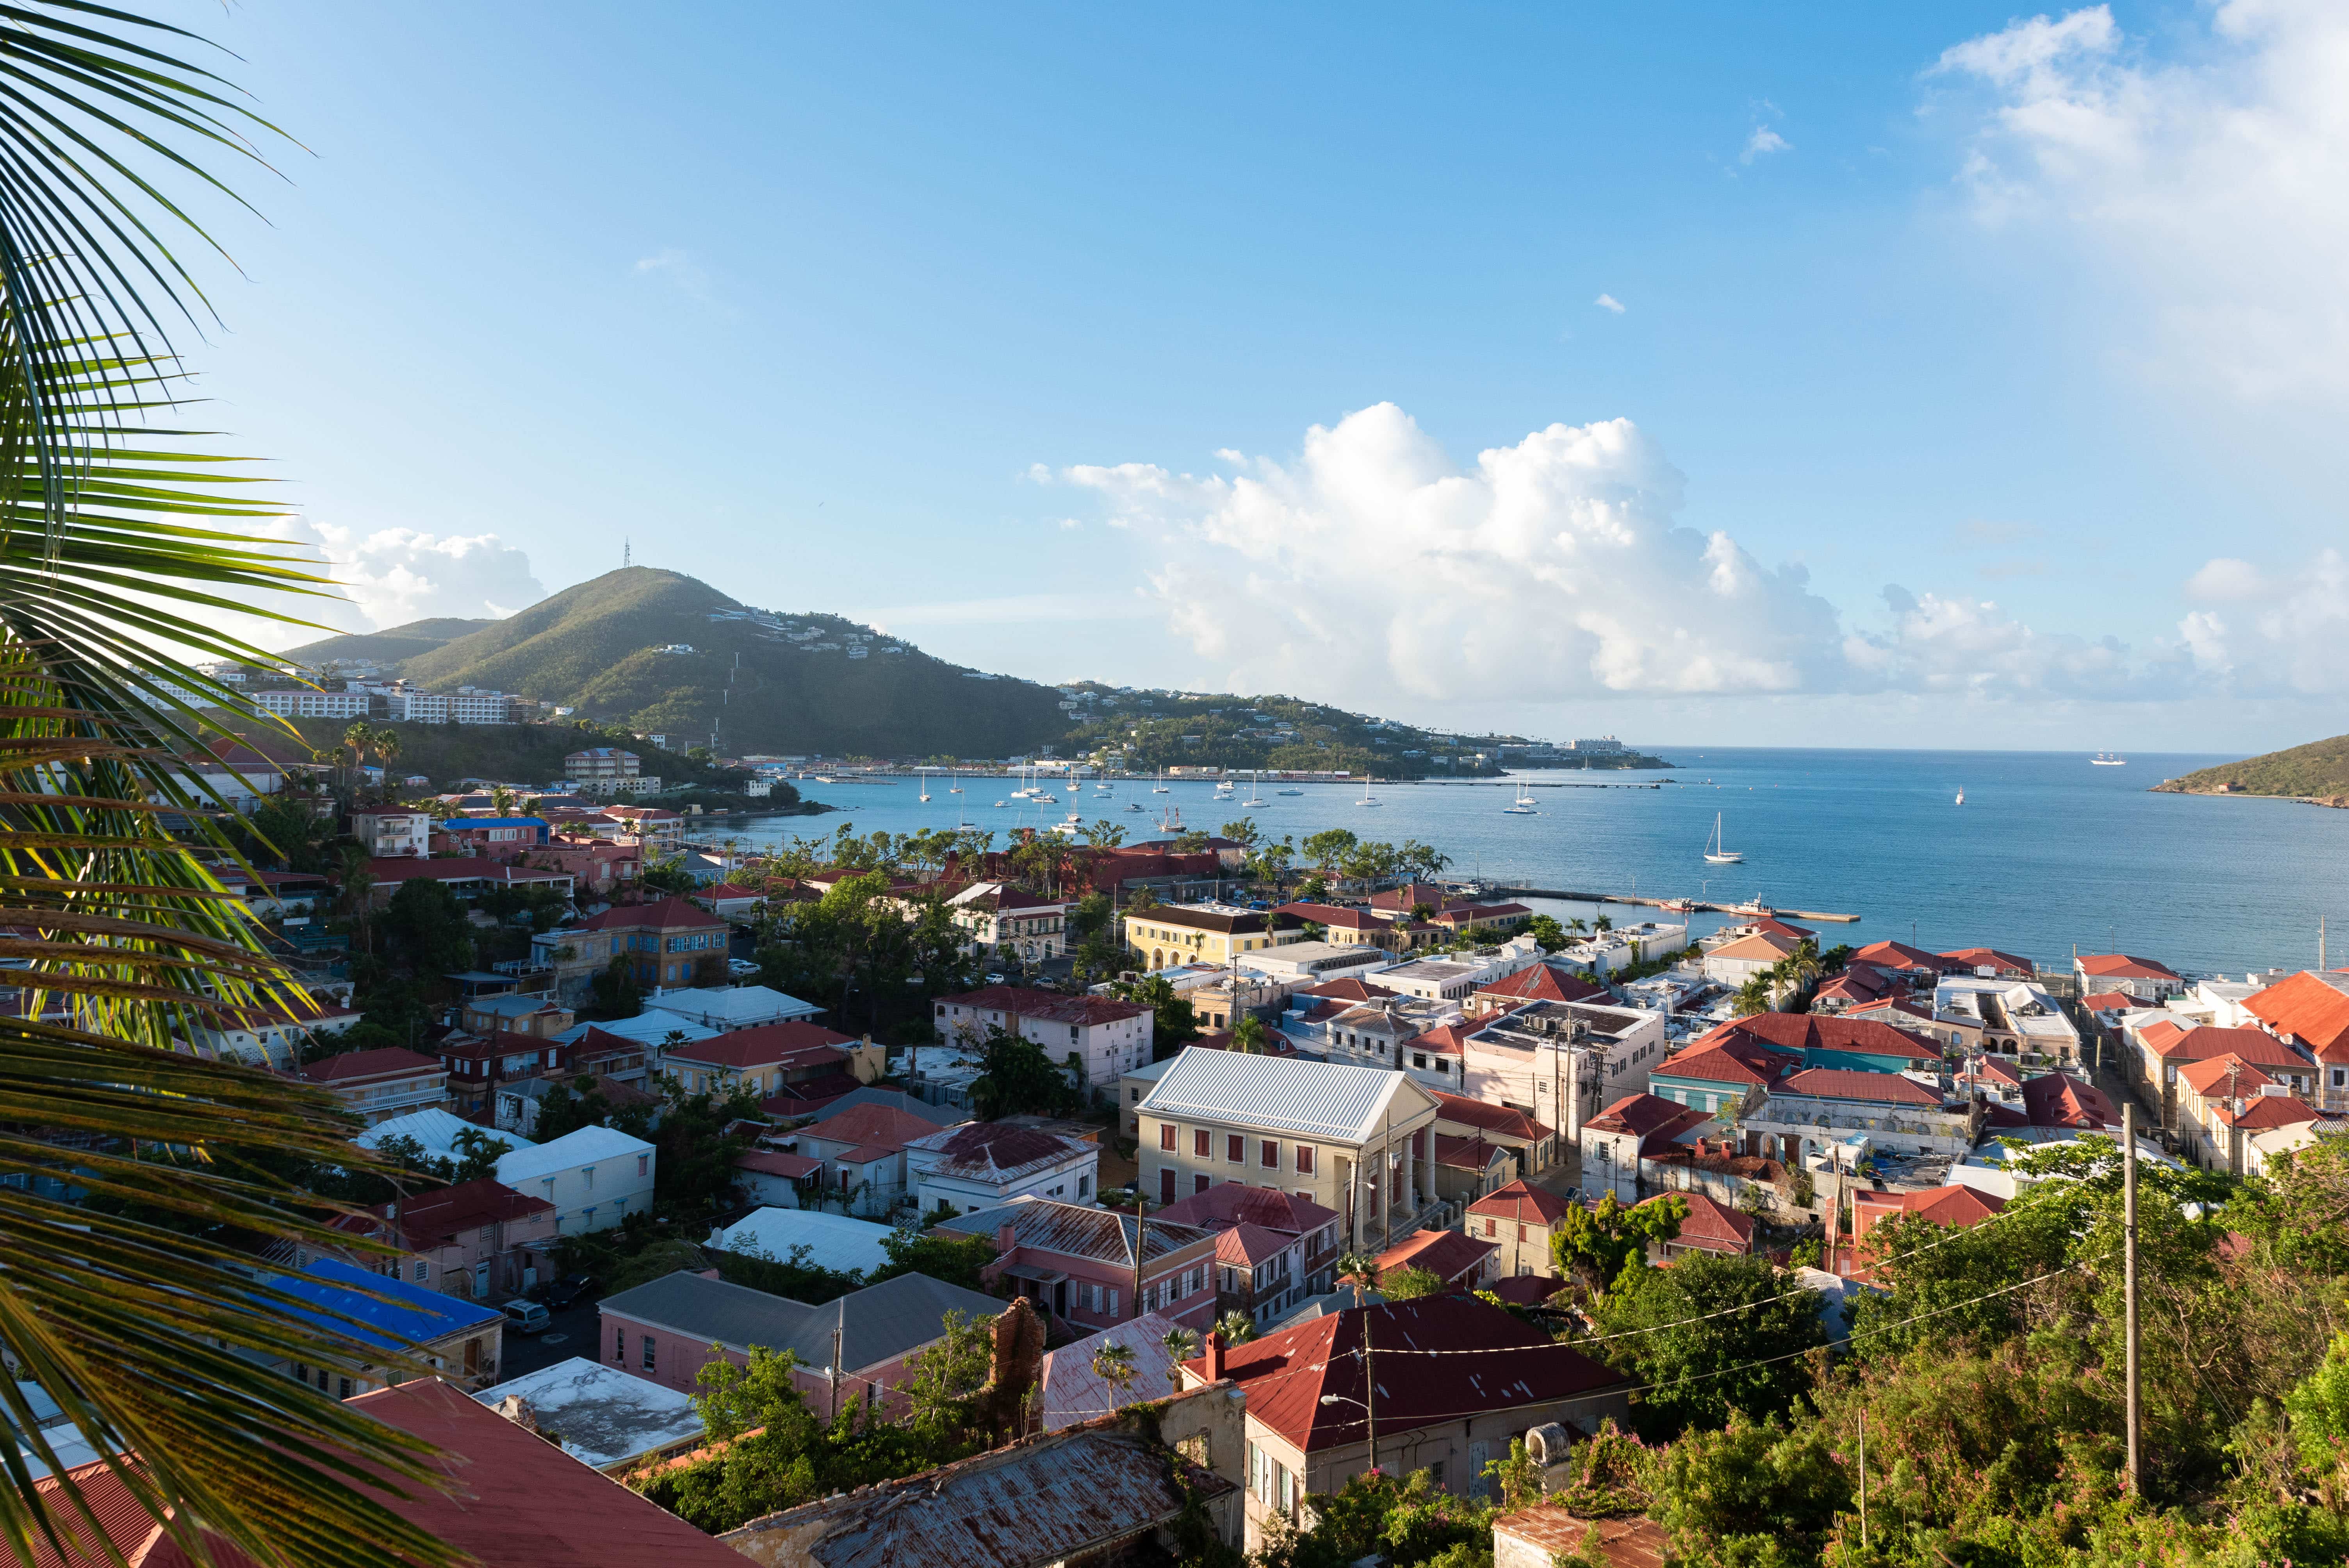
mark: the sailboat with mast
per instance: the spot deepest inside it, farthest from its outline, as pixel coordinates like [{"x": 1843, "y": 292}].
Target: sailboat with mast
[
  {"x": 1523, "y": 806},
  {"x": 1160, "y": 788},
  {"x": 926, "y": 784},
  {"x": 1368, "y": 799},
  {"x": 1717, "y": 851},
  {"x": 1256, "y": 795}
]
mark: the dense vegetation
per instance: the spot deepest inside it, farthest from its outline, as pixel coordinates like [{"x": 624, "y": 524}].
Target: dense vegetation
[
  {"x": 531, "y": 754},
  {"x": 1156, "y": 729},
  {"x": 1988, "y": 1378},
  {"x": 2320, "y": 768}
]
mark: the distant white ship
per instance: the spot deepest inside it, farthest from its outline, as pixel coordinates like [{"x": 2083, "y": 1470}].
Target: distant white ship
[
  {"x": 1962, "y": 794},
  {"x": 2107, "y": 759}
]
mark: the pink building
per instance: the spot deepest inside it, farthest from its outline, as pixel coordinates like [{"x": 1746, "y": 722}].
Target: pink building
[
  {"x": 1076, "y": 1261},
  {"x": 668, "y": 1330}
]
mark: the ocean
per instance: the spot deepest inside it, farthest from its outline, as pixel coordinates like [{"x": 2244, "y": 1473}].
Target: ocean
[{"x": 2047, "y": 855}]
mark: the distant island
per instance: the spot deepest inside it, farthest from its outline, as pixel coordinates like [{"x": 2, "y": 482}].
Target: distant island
[{"x": 2317, "y": 773}]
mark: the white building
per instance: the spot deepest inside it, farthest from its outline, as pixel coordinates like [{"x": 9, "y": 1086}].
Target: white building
[
  {"x": 1560, "y": 1062},
  {"x": 1106, "y": 1036},
  {"x": 313, "y": 704},
  {"x": 436, "y": 1131},
  {"x": 1311, "y": 963},
  {"x": 983, "y": 1164},
  {"x": 1445, "y": 979},
  {"x": 722, "y": 1009},
  {"x": 394, "y": 835},
  {"x": 467, "y": 705},
  {"x": 594, "y": 1177},
  {"x": 1008, "y": 920}
]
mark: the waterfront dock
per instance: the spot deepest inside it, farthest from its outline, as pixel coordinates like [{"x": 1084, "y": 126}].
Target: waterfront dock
[{"x": 1674, "y": 904}]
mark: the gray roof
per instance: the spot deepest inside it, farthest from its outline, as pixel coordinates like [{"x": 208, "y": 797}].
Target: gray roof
[
  {"x": 1074, "y": 1230},
  {"x": 879, "y": 1323},
  {"x": 895, "y": 1099},
  {"x": 1332, "y": 1100},
  {"x": 1040, "y": 1502}
]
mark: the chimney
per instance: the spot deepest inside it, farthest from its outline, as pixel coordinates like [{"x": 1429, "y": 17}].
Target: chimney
[
  {"x": 1215, "y": 1353},
  {"x": 1004, "y": 1239}
]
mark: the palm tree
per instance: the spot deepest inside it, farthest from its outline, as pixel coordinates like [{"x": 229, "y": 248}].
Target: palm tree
[
  {"x": 1114, "y": 1365},
  {"x": 503, "y": 800},
  {"x": 128, "y": 541},
  {"x": 1252, "y": 1036},
  {"x": 1182, "y": 1343},
  {"x": 1756, "y": 995},
  {"x": 1358, "y": 1271},
  {"x": 1235, "y": 1327},
  {"x": 386, "y": 750}
]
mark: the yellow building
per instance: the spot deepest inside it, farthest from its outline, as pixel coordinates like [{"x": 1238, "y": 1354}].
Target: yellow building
[{"x": 1174, "y": 935}]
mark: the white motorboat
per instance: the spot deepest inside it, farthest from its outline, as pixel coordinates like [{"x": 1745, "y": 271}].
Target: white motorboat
[{"x": 1288, "y": 792}]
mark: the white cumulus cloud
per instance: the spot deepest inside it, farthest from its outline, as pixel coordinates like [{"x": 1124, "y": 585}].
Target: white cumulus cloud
[
  {"x": 2211, "y": 185},
  {"x": 1763, "y": 142},
  {"x": 1374, "y": 567},
  {"x": 2271, "y": 636},
  {"x": 1608, "y": 302},
  {"x": 395, "y": 575}
]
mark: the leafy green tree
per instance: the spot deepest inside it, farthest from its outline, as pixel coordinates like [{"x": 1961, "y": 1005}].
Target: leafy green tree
[
  {"x": 1410, "y": 1282},
  {"x": 478, "y": 1154},
  {"x": 1173, "y": 1023},
  {"x": 1710, "y": 1335},
  {"x": 1599, "y": 1243},
  {"x": 1018, "y": 1077},
  {"x": 1409, "y": 1523},
  {"x": 943, "y": 1377},
  {"x": 1327, "y": 848},
  {"x": 1546, "y": 932},
  {"x": 731, "y": 1401},
  {"x": 697, "y": 1141},
  {"x": 1752, "y": 1494},
  {"x": 954, "y": 1260}
]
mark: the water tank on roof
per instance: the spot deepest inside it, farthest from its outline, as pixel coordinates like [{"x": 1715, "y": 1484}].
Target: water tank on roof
[{"x": 1548, "y": 1444}]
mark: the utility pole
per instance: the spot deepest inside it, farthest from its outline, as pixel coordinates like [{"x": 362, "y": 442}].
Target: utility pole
[
  {"x": 2128, "y": 1275},
  {"x": 1370, "y": 1391},
  {"x": 1863, "y": 1478},
  {"x": 833, "y": 1376},
  {"x": 1139, "y": 1235}
]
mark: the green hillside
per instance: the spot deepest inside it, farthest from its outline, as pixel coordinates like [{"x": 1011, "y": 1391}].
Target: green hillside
[
  {"x": 765, "y": 682},
  {"x": 392, "y": 645},
  {"x": 2319, "y": 769}
]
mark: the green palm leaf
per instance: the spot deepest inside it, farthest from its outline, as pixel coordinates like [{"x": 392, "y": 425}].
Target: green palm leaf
[{"x": 123, "y": 541}]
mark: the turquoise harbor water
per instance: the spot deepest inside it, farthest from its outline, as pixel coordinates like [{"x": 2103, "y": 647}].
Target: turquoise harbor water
[{"x": 2046, "y": 852}]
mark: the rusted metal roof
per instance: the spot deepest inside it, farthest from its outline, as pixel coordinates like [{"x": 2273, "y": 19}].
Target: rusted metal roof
[{"x": 1038, "y": 1501}]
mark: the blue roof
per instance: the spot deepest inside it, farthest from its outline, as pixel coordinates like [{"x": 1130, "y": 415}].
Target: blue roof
[
  {"x": 460, "y": 823},
  {"x": 412, "y": 1315}
]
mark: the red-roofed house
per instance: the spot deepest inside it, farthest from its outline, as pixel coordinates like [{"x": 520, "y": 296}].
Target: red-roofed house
[
  {"x": 1517, "y": 1220},
  {"x": 1457, "y": 1116},
  {"x": 671, "y": 942},
  {"x": 1309, "y": 1230},
  {"x": 1956, "y": 1207},
  {"x": 2223, "y": 1099},
  {"x": 1731, "y": 1074},
  {"x": 2060, "y": 1102},
  {"x": 1308, "y": 1389},
  {"x": 2002, "y": 965},
  {"x": 2141, "y": 977},
  {"x": 1542, "y": 982},
  {"x": 1827, "y": 1041},
  {"x": 1107, "y": 1036},
  {"x": 2311, "y": 1009},
  {"x": 1613, "y": 1140},
  {"x": 2165, "y": 1050},
  {"x": 982, "y": 1163},
  {"x": 1005, "y": 919},
  {"x": 765, "y": 1058},
  {"x": 1462, "y": 1262},
  {"x": 1734, "y": 963},
  {"x": 1810, "y": 1111},
  {"x": 1709, "y": 1226},
  {"x": 381, "y": 1084},
  {"x": 271, "y": 1035},
  {"x": 480, "y": 1240},
  {"x": 1900, "y": 958},
  {"x": 1342, "y": 927},
  {"x": 729, "y": 901}
]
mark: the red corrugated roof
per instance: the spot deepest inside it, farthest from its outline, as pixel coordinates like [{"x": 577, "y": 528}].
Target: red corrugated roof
[
  {"x": 1286, "y": 1374},
  {"x": 1823, "y": 1032},
  {"x": 1710, "y": 1225},
  {"x": 2268, "y": 1110},
  {"x": 1447, "y": 1254},
  {"x": 774, "y": 1162},
  {"x": 1526, "y": 1205},
  {"x": 1641, "y": 1114},
  {"x": 2310, "y": 1007},
  {"x": 1233, "y": 1203},
  {"x": 2112, "y": 1002},
  {"x": 1842, "y": 1083},
  {"x": 797, "y": 1042},
  {"x": 1544, "y": 982},
  {"x": 368, "y": 1064},
  {"x": 1493, "y": 1118},
  {"x": 1245, "y": 1246},
  {"x": 1898, "y": 955},
  {"x": 1975, "y": 957},
  {"x": 2125, "y": 966},
  {"x": 1731, "y": 1061},
  {"x": 2254, "y": 1046},
  {"x": 2057, "y": 1100},
  {"x": 1050, "y": 1004},
  {"x": 668, "y": 915}
]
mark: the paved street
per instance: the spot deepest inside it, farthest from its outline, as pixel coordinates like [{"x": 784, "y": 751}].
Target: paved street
[{"x": 573, "y": 1333}]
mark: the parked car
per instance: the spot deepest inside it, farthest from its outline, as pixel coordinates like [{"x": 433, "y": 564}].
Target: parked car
[
  {"x": 562, "y": 1293},
  {"x": 995, "y": 979},
  {"x": 740, "y": 968},
  {"x": 528, "y": 1316}
]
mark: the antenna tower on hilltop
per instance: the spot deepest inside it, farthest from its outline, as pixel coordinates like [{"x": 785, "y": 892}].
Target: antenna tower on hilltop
[{"x": 625, "y": 544}]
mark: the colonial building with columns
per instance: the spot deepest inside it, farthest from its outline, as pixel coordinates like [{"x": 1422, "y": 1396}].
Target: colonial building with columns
[{"x": 1355, "y": 1140}]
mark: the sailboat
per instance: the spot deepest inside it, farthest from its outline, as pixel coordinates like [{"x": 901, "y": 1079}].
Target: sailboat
[
  {"x": 1523, "y": 806},
  {"x": 1962, "y": 794},
  {"x": 1368, "y": 799},
  {"x": 1025, "y": 789},
  {"x": 1254, "y": 798},
  {"x": 1717, "y": 851},
  {"x": 926, "y": 784},
  {"x": 2107, "y": 759},
  {"x": 1160, "y": 788}
]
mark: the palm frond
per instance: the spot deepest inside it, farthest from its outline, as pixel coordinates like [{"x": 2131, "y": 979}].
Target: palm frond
[{"x": 125, "y": 541}]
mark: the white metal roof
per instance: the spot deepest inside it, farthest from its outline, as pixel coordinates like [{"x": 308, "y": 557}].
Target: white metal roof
[
  {"x": 734, "y": 1006},
  {"x": 436, "y": 1130},
  {"x": 649, "y": 1028},
  {"x": 1318, "y": 1099},
  {"x": 584, "y": 1146},
  {"x": 602, "y": 1415},
  {"x": 833, "y": 1241}
]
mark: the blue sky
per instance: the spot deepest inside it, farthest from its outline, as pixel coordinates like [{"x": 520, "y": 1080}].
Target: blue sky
[{"x": 942, "y": 315}]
